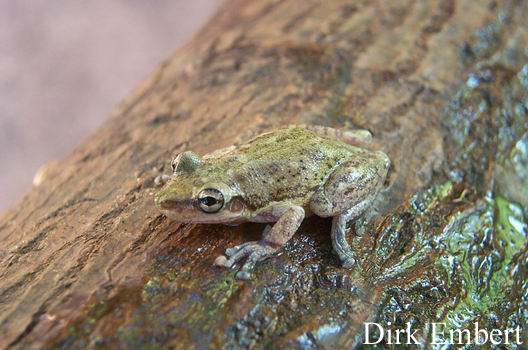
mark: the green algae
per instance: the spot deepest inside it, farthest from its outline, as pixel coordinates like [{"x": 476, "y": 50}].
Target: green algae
[
  {"x": 480, "y": 249},
  {"x": 472, "y": 229}
]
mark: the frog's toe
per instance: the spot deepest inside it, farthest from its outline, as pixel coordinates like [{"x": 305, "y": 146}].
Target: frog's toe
[
  {"x": 238, "y": 253},
  {"x": 220, "y": 260},
  {"x": 243, "y": 275},
  {"x": 348, "y": 263},
  {"x": 233, "y": 250},
  {"x": 252, "y": 251},
  {"x": 247, "y": 268}
]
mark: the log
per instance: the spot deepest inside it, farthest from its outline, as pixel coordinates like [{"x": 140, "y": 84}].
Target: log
[{"x": 87, "y": 261}]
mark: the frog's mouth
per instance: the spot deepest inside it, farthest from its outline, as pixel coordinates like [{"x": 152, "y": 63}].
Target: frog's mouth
[
  {"x": 197, "y": 217},
  {"x": 170, "y": 204},
  {"x": 187, "y": 211}
]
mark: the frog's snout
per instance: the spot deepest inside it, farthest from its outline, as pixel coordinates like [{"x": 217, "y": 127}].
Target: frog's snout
[{"x": 166, "y": 203}]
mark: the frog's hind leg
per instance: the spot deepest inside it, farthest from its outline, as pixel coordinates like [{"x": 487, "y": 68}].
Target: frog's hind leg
[
  {"x": 346, "y": 195},
  {"x": 352, "y": 137}
]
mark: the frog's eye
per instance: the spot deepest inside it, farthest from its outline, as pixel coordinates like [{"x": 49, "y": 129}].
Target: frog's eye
[{"x": 211, "y": 200}]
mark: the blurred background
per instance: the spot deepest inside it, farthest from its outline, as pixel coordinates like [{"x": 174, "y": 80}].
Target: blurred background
[{"x": 65, "y": 64}]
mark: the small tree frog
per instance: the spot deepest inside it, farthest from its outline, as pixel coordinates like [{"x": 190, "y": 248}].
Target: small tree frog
[{"x": 278, "y": 177}]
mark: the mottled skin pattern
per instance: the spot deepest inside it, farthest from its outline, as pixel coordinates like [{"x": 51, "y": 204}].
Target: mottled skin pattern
[{"x": 280, "y": 176}]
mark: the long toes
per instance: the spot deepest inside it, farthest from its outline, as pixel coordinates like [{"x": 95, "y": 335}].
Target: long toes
[
  {"x": 247, "y": 268},
  {"x": 240, "y": 254},
  {"x": 233, "y": 250}
]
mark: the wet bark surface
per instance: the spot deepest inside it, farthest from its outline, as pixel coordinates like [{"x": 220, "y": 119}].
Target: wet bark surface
[{"x": 86, "y": 260}]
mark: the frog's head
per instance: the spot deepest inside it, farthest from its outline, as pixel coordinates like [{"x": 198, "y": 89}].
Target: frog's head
[{"x": 194, "y": 195}]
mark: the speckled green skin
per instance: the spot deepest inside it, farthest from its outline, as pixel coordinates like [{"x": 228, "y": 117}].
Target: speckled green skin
[{"x": 281, "y": 176}]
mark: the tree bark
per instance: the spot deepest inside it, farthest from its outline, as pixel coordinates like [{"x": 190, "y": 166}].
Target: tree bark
[{"x": 87, "y": 261}]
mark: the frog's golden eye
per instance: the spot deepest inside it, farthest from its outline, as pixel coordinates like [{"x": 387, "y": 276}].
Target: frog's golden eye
[{"x": 211, "y": 200}]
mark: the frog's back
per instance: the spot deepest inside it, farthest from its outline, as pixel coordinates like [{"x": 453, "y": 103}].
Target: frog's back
[
  {"x": 286, "y": 164},
  {"x": 291, "y": 142}
]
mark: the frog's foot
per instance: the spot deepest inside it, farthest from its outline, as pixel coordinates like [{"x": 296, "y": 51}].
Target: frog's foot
[
  {"x": 253, "y": 251},
  {"x": 272, "y": 239}
]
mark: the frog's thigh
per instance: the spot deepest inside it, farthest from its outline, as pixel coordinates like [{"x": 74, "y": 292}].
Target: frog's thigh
[
  {"x": 345, "y": 188},
  {"x": 353, "y": 137}
]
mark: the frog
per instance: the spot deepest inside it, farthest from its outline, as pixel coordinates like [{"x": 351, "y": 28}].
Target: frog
[{"x": 277, "y": 178}]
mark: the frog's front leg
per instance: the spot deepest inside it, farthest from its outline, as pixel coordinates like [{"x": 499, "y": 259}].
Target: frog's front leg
[{"x": 273, "y": 238}]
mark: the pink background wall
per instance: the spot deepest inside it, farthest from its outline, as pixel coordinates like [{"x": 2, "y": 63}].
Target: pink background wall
[{"x": 65, "y": 64}]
